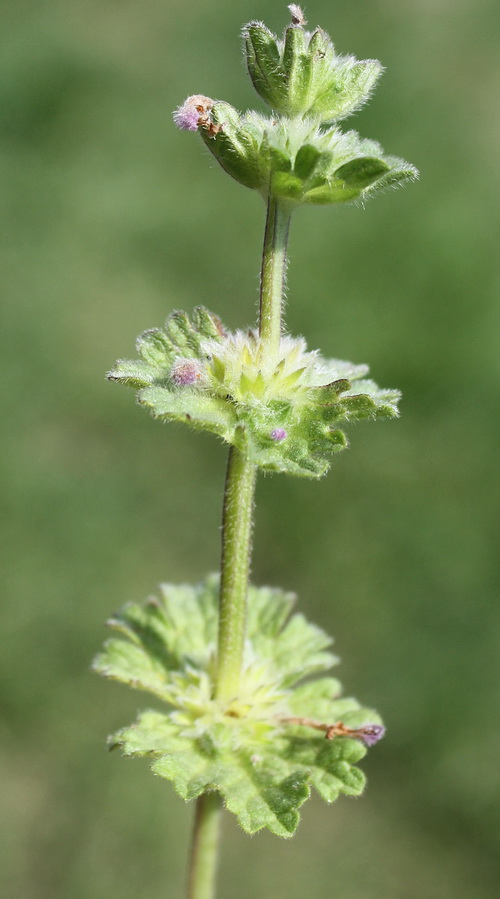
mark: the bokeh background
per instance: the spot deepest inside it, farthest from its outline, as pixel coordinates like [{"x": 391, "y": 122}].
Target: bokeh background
[{"x": 112, "y": 219}]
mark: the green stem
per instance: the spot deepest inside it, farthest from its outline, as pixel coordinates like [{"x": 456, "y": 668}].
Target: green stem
[
  {"x": 203, "y": 862},
  {"x": 237, "y": 520},
  {"x": 272, "y": 277},
  {"x": 237, "y": 523}
]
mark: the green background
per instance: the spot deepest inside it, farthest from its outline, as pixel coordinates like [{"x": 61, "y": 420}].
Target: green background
[{"x": 113, "y": 219}]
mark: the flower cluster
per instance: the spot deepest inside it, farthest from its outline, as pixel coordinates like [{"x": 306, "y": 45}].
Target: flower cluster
[
  {"x": 282, "y": 409},
  {"x": 298, "y": 153},
  {"x": 302, "y": 75}
]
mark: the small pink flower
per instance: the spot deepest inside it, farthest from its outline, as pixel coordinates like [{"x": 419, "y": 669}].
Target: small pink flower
[
  {"x": 185, "y": 372},
  {"x": 278, "y": 434},
  {"x": 193, "y": 112},
  {"x": 370, "y": 733}
]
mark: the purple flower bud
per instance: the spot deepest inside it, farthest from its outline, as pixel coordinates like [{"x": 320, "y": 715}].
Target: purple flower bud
[
  {"x": 370, "y": 733},
  {"x": 185, "y": 372},
  {"x": 278, "y": 434},
  {"x": 193, "y": 112}
]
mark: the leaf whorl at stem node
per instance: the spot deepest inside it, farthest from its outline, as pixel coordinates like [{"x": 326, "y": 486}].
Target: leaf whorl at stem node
[
  {"x": 263, "y": 749},
  {"x": 298, "y": 160},
  {"x": 283, "y": 409},
  {"x": 298, "y": 153}
]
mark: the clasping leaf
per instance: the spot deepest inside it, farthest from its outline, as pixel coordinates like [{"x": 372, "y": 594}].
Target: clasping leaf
[{"x": 255, "y": 749}]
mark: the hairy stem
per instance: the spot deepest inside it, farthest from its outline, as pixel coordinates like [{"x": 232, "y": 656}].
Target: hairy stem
[
  {"x": 272, "y": 277},
  {"x": 203, "y": 862},
  {"x": 237, "y": 524},
  {"x": 237, "y": 520}
]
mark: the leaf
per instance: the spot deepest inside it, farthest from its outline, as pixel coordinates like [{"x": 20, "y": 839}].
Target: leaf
[
  {"x": 181, "y": 335},
  {"x": 330, "y": 764},
  {"x": 196, "y": 409},
  {"x": 201, "y": 375},
  {"x": 286, "y": 184},
  {"x": 234, "y": 146},
  {"x": 335, "y": 192},
  {"x": 155, "y": 348},
  {"x": 278, "y": 161},
  {"x": 399, "y": 174},
  {"x": 133, "y": 373},
  {"x": 306, "y": 161},
  {"x": 362, "y": 172},
  {"x": 350, "y": 85},
  {"x": 300, "y": 650},
  {"x": 268, "y": 610},
  {"x": 263, "y": 60},
  {"x": 260, "y": 791},
  {"x": 314, "y": 698},
  {"x": 262, "y": 764},
  {"x": 263, "y": 789}
]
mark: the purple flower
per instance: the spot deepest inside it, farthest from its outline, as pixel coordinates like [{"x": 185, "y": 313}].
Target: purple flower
[
  {"x": 370, "y": 733},
  {"x": 185, "y": 372},
  {"x": 297, "y": 15},
  {"x": 278, "y": 434},
  {"x": 193, "y": 112}
]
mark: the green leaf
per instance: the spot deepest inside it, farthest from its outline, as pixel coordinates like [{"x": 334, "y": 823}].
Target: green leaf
[
  {"x": 287, "y": 185},
  {"x": 314, "y": 698},
  {"x": 261, "y": 762},
  {"x": 330, "y": 764},
  {"x": 346, "y": 88},
  {"x": 155, "y": 348},
  {"x": 196, "y": 409},
  {"x": 207, "y": 324},
  {"x": 212, "y": 380},
  {"x": 279, "y": 161},
  {"x": 329, "y": 393},
  {"x": 335, "y": 192},
  {"x": 260, "y": 791},
  {"x": 263, "y": 61},
  {"x": 181, "y": 335},
  {"x": 235, "y": 147},
  {"x": 362, "y": 172},
  {"x": 296, "y": 65},
  {"x": 133, "y": 373},
  {"x": 399, "y": 174},
  {"x": 306, "y": 161}
]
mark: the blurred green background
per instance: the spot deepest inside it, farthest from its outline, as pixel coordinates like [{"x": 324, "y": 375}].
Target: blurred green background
[{"x": 112, "y": 219}]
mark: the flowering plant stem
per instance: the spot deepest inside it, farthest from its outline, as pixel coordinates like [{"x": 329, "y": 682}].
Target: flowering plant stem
[
  {"x": 245, "y": 725},
  {"x": 237, "y": 522},
  {"x": 237, "y": 525},
  {"x": 273, "y": 272},
  {"x": 203, "y": 862}
]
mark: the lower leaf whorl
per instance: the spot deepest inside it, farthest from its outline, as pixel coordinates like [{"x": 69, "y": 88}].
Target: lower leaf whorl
[{"x": 250, "y": 749}]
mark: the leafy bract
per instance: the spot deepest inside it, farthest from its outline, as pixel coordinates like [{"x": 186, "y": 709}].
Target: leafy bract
[
  {"x": 298, "y": 160},
  {"x": 255, "y": 749},
  {"x": 283, "y": 410},
  {"x": 302, "y": 75}
]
